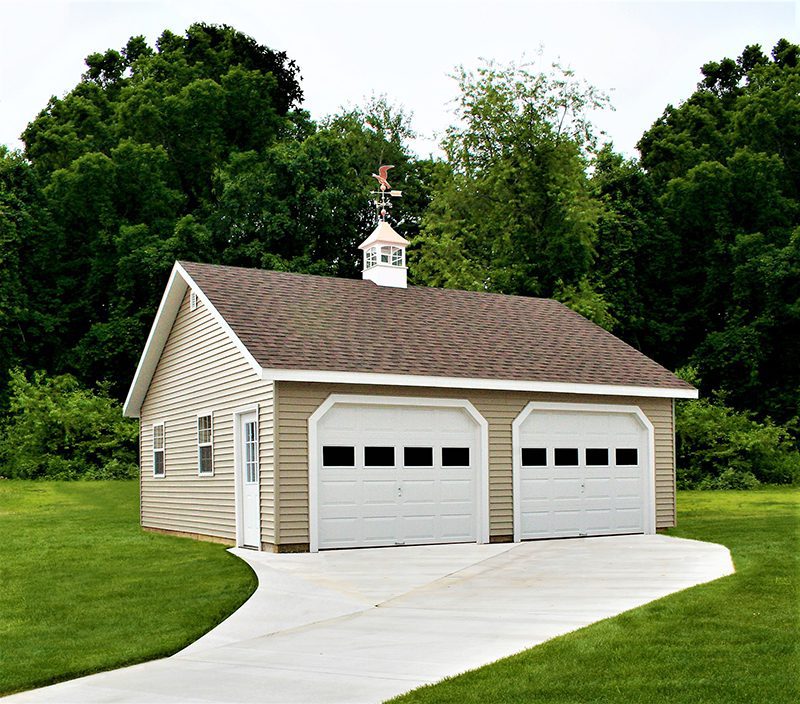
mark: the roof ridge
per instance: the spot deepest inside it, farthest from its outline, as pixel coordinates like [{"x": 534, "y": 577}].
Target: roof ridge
[{"x": 324, "y": 277}]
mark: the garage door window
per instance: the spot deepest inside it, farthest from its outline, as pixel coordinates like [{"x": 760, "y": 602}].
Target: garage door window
[
  {"x": 379, "y": 457},
  {"x": 418, "y": 456},
  {"x": 597, "y": 456},
  {"x": 455, "y": 457},
  {"x": 338, "y": 456},
  {"x": 534, "y": 457},
  {"x": 627, "y": 456},
  {"x": 566, "y": 457}
]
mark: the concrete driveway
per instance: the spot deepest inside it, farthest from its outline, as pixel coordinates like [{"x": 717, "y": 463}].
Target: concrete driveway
[{"x": 365, "y": 625}]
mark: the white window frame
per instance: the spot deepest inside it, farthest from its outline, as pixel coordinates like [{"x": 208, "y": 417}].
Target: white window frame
[
  {"x": 162, "y": 449},
  {"x": 193, "y": 300},
  {"x": 399, "y": 252},
  {"x": 210, "y": 443},
  {"x": 370, "y": 257}
]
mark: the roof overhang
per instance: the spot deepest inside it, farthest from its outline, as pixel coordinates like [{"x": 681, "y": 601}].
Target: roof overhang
[
  {"x": 457, "y": 382},
  {"x": 179, "y": 281}
]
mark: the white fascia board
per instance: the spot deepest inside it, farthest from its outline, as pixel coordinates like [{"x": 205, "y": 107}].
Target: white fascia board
[
  {"x": 179, "y": 281},
  {"x": 332, "y": 377},
  {"x": 159, "y": 332}
]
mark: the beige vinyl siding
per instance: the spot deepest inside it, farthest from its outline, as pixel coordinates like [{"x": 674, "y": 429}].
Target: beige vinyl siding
[
  {"x": 296, "y": 401},
  {"x": 202, "y": 370}
]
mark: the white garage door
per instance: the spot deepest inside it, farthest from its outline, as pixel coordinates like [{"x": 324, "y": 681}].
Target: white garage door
[
  {"x": 582, "y": 473},
  {"x": 396, "y": 475}
]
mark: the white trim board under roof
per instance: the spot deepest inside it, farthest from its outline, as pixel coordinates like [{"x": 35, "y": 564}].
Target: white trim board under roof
[{"x": 458, "y": 382}]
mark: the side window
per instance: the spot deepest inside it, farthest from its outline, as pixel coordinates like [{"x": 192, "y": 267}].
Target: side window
[
  {"x": 627, "y": 456},
  {"x": 338, "y": 456},
  {"x": 566, "y": 456},
  {"x": 379, "y": 457},
  {"x": 596, "y": 456},
  {"x": 418, "y": 456},
  {"x": 534, "y": 456},
  {"x": 159, "y": 443},
  {"x": 455, "y": 457},
  {"x": 205, "y": 446}
]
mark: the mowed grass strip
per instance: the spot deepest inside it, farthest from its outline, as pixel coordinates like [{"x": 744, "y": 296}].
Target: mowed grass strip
[
  {"x": 732, "y": 640},
  {"x": 84, "y": 589}
]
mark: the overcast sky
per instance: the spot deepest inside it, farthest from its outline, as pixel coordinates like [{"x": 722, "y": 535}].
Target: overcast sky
[{"x": 645, "y": 54}]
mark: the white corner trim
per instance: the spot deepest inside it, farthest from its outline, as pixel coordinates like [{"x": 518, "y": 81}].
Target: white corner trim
[
  {"x": 450, "y": 382},
  {"x": 516, "y": 460},
  {"x": 333, "y": 399},
  {"x": 179, "y": 281}
]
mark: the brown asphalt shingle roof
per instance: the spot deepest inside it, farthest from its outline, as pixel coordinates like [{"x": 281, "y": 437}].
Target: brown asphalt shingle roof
[{"x": 297, "y": 321}]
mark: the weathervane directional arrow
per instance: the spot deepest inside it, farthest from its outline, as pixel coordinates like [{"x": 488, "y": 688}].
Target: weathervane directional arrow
[{"x": 383, "y": 202}]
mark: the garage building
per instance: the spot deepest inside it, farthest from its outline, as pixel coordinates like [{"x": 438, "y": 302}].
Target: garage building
[{"x": 289, "y": 412}]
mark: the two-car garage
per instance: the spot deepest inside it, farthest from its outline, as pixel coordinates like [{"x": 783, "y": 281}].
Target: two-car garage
[{"x": 411, "y": 471}]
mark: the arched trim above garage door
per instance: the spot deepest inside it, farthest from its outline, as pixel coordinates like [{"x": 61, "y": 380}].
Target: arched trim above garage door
[
  {"x": 410, "y": 401},
  {"x": 541, "y": 406}
]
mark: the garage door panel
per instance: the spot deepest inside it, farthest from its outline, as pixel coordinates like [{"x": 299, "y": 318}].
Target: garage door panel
[
  {"x": 595, "y": 497},
  {"x": 458, "y": 527},
  {"x": 456, "y": 491},
  {"x": 339, "y": 493},
  {"x": 417, "y": 528},
  {"x": 377, "y": 492},
  {"x": 402, "y": 503}
]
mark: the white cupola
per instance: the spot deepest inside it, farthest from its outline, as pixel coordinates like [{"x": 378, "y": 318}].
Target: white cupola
[{"x": 385, "y": 257}]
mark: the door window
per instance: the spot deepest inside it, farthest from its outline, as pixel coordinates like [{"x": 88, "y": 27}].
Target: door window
[{"x": 250, "y": 452}]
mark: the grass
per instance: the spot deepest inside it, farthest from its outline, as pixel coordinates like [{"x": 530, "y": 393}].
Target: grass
[
  {"x": 732, "y": 640},
  {"x": 84, "y": 589}
]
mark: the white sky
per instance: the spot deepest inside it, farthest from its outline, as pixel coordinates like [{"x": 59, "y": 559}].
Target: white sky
[{"x": 645, "y": 54}]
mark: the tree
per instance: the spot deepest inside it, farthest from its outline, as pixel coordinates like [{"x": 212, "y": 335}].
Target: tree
[
  {"x": 194, "y": 149},
  {"x": 57, "y": 429},
  {"x": 725, "y": 168},
  {"x": 511, "y": 209}
]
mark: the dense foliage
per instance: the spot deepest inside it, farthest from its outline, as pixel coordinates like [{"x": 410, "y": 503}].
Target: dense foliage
[
  {"x": 56, "y": 429},
  {"x": 198, "y": 148}
]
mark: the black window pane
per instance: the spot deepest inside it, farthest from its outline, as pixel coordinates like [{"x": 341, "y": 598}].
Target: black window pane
[
  {"x": 379, "y": 457},
  {"x": 455, "y": 456},
  {"x": 418, "y": 456},
  {"x": 566, "y": 457},
  {"x": 336, "y": 456},
  {"x": 627, "y": 456},
  {"x": 597, "y": 456},
  {"x": 534, "y": 456},
  {"x": 206, "y": 461}
]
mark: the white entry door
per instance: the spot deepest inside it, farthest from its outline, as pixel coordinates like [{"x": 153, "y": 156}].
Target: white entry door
[
  {"x": 396, "y": 475},
  {"x": 248, "y": 480},
  {"x": 582, "y": 473}
]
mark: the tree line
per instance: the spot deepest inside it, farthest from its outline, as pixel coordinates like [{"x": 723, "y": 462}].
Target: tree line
[{"x": 199, "y": 148}]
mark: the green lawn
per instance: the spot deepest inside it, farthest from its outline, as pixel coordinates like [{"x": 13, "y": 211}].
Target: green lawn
[
  {"x": 733, "y": 640},
  {"x": 83, "y": 588}
]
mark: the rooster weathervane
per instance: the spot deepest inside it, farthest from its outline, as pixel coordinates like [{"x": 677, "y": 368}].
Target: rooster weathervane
[{"x": 383, "y": 202}]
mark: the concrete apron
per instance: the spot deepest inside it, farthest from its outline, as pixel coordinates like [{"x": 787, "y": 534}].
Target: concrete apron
[{"x": 366, "y": 625}]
